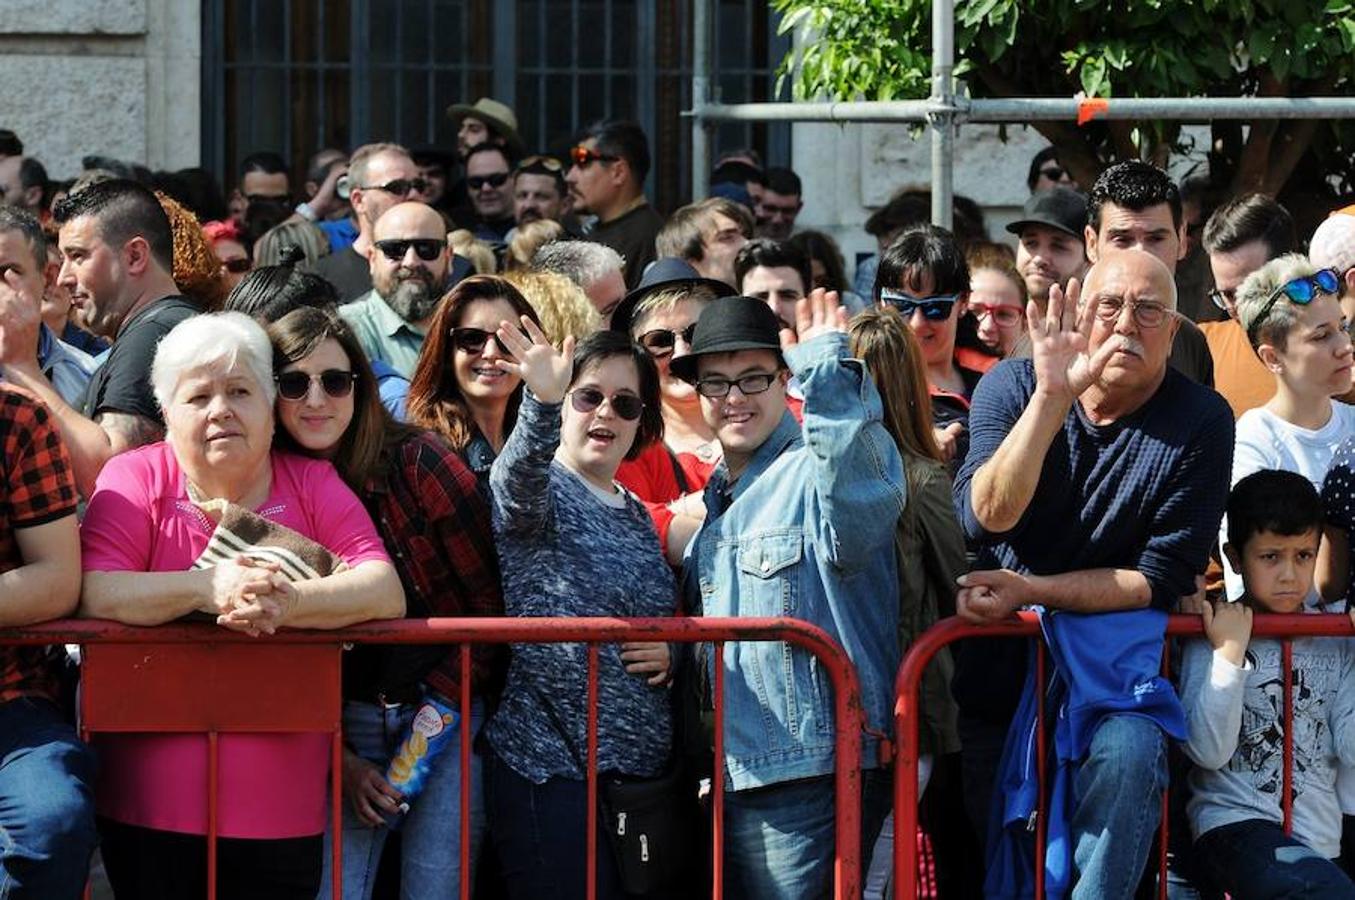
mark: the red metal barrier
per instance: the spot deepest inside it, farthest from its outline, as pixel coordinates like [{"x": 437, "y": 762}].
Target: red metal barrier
[
  {"x": 197, "y": 660},
  {"x": 1027, "y": 625}
]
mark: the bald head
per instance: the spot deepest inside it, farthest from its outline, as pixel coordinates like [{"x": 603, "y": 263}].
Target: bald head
[
  {"x": 410, "y": 221},
  {"x": 1117, "y": 269},
  {"x": 409, "y": 259}
]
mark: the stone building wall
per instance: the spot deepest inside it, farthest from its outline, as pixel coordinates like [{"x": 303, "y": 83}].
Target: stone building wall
[{"x": 119, "y": 78}]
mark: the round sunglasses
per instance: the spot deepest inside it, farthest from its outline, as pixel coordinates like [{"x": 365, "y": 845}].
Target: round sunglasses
[
  {"x": 586, "y": 399},
  {"x": 335, "y": 383},
  {"x": 661, "y": 342}
]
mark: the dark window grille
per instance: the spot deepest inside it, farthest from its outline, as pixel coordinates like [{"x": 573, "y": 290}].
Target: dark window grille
[{"x": 298, "y": 75}]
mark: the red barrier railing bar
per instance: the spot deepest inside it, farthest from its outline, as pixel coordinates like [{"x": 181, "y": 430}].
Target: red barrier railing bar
[
  {"x": 718, "y": 778},
  {"x": 336, "y": 813},
  {"x": 592, "y": 840},
  {"x": 464, "y": 749},
  {"x": 848, "y": 713},
  {"x": 213, "y": 760},
  {"x": 1026, "y": 624}
]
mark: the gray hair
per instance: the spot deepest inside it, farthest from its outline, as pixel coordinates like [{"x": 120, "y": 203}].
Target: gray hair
[
  {"x": 1255, "y": 292},
  {"x": 582, "y": 262},
  {"x": 14, "y": 218},
  {"x": 362, "y": 158},
  {"x": 212, "y": 341}
]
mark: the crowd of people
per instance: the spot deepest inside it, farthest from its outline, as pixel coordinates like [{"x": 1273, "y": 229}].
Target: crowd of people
[{"x": 486, "y": 382}]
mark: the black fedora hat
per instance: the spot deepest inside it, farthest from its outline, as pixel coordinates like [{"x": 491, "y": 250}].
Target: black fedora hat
[
  {"x": 664, "y": 272},
  {"x": 1060, "y": 208},
  {"x": 729, "y": 325}
]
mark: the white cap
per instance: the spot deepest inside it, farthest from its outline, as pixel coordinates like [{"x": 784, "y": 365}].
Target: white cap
[{"x": 1333, "y": 244}]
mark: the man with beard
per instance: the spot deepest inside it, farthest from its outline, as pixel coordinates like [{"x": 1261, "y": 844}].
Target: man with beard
[{"x": 409, "y": 261}]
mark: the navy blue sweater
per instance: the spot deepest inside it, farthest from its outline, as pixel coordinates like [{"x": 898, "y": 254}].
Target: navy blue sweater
[{"x": 1146, "y": 492}]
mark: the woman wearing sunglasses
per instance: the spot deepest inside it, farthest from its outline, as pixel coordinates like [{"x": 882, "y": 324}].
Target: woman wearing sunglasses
[
  {"x": 670, "y": 475},
  {"x": 997, "y": 298},
  {"x": 924, "y": 276},
  {"x": 435, "y": 524},
  {"x": 458, "y": 390},
  {"x": 1292, "y": 317},
  {"x": 573, "y": 542}
]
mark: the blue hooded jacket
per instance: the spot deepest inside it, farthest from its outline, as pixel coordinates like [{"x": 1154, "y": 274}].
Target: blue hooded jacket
[{"x": 1102, "y": 664}]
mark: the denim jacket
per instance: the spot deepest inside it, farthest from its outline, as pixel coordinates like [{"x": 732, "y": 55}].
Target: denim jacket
[{"x": 808, "y": 533}]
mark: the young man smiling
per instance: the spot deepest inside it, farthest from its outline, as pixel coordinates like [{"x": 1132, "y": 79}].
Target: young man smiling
[{"x": 798, "y": 523}]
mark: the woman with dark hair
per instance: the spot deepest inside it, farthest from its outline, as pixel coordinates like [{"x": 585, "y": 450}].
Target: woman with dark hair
[
  {"x": 574, "y": 543},
  {"x": 270, "y": 292},
  {"x": 923, "y": 275},
  {"x": 458, "y": 390},
  {"x": 435, "y": 524}
]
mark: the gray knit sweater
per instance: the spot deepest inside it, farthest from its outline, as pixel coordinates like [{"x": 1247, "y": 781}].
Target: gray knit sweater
[{"x": 564, "y": 552}]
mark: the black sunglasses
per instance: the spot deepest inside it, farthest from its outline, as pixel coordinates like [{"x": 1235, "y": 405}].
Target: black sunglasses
[
  {"x": 587, "y": 399},
  {"x": 428, "y": 249},
  {"x": 660, "y": 342},
  {"x": 475, "y": 182},
  {"x": 335, "y": 382},
  {"x": 1053, "y": 173},
  {"x": 473, "y": 340},
  {"x": 400, "y": 187},
  {"x": 238, "y": 266}
]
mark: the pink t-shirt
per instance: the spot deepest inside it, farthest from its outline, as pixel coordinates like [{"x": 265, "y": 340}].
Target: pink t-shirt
[{"x": 271, "y": 786}]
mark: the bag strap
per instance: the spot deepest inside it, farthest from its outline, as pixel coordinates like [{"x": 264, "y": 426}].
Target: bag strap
[{"x": 683, "y": 485}]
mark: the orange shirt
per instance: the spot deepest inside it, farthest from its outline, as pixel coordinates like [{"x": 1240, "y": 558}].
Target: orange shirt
[{"x": 1238, "y": 374}]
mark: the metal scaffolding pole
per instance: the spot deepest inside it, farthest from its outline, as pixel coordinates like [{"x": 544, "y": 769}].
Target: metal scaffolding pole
[
  {"x": 701, "y": 123},
  {"x": 942, "y": 117}
]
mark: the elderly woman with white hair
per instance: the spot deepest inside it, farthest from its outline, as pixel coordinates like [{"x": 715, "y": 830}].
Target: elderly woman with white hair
[
  {"x": 143, "y": 540},
  {"x": 1290, "y": 312}
]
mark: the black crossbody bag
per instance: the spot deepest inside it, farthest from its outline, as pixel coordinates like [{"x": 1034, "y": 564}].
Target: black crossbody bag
[{"x": 650, "y": 824}]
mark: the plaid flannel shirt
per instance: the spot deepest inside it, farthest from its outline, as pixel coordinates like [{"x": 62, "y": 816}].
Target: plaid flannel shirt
[
  {"x": 436, "y": 525},
  {"x": 36, "y": 487}
]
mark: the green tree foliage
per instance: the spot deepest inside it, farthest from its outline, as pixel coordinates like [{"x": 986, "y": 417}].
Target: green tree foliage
[{"x": 881, "y": 49}]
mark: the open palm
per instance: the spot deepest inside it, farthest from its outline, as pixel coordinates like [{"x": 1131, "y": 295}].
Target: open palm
[
  {"x": 545, "y": 370},
  {"x": 1060, "y": 340}
]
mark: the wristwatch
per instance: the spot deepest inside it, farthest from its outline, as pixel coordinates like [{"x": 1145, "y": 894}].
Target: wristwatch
[{"x": 303, "y": 209}]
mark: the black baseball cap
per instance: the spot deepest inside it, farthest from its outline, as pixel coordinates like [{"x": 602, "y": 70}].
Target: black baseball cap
[
  {"x": 664, "y": 272},
  {"x": 729, "y": 325},
  {"x": 1060, "y": 208}
]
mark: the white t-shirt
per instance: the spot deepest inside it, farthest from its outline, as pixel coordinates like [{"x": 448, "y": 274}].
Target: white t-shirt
[{"x": 1265, "y": 441}]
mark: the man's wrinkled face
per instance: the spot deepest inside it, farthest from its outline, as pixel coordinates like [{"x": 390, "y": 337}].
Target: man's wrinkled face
[
  {"x": 1130, "y": 290},
  {"x": 1048, "y": 256},
  {"x": 536, "y": 197},
  {"x": 490, "y": 183},
  {"x": 606, "y": 294},
  {"x": 410, "y": 284}
]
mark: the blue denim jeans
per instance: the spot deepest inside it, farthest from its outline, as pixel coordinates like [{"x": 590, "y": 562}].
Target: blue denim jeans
[
  {"x": 779, "y": 840},
  {"x": 1119, "y": 789},
  {"x": 430, "y": 862},
  {"x": 1254, "y": 859},
  {"x": 47, "y": 832}
]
